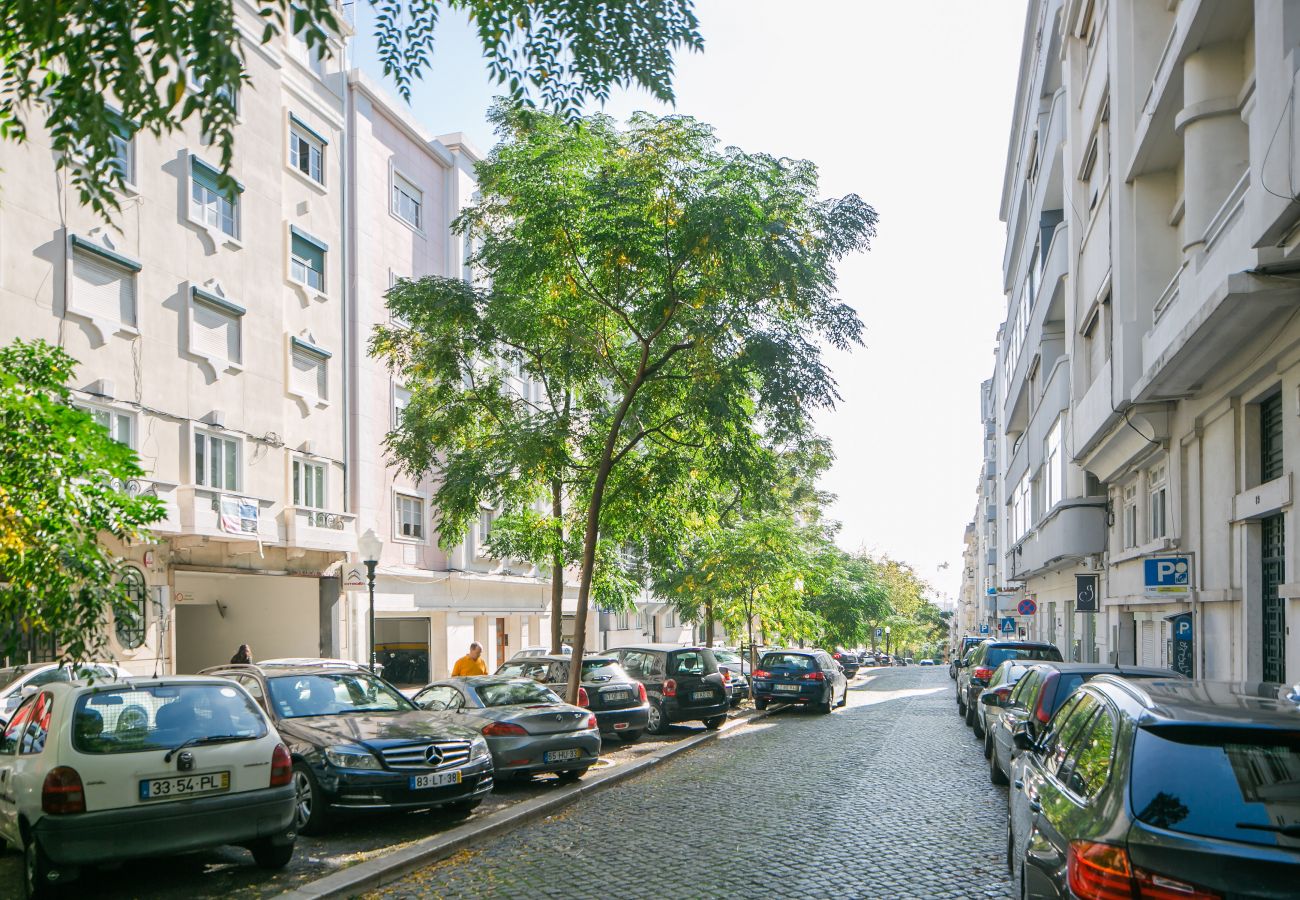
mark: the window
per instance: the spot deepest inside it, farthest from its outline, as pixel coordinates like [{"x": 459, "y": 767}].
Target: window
[
  {"x": 1157, "y": 502},
  {"x": 1020, "y": 511},
  {"x": 306, "y": 150},
  {"x": 129, "y": 618},
  {"x": 1270, "y": 438},
  {"x": 1087, "y": 765},
  {"x": 407, "y": 201},
  {"x": 216, "y": 327},
  {"x": 1068, "y": 727},
  {"x": 211, "y": 206},
  {"x": 308, "y": 484},
  {"x": 670, "y": 618},
  {"x": 123, "y": 158},
  {"x": 484, "y": 528},
  {"x": 309, "y": 372},
  {"x": 1129, "y": 517},
  {"x": 216, "y": 461},
  {"x": 401, "y": 400},
  {"x": 120, "y": 425},
  {"x": 103, "y": 283},
  {"x": 1054, "y": 477},
  {"x": 1031, "y": 284},
  {"x": 307, "y": 260},
  {"x": 410, "y": 517}
]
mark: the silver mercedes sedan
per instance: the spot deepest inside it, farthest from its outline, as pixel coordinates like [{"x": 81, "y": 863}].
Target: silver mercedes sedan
[{"x": 528, "y": 728}]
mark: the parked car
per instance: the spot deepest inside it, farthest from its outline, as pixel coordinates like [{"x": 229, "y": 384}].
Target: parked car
[
  {"x": 620, "y": 703},
  {"x": 1035, "y": 699},
  {"x": 683, "y": 684},
  {"x": 1168, "y": 788},
  {"x": 528, "y": 728},
  {"x": 565, "y": 650},
  {"x": 99, "y": 773},
  {"x": 297, "y": 662},
  {"x": 927, "y": 662},
  {"x": 977, "y": 668},
  {"x": 359, "y": 744},
  {"x": 19, "y": 682},
  {"x": 848, "y": 661},
  {"x": 809, "y": 677},
  {"x": 738, "y": 669},
  {"x": 1000, "y": 686},
  {"x": 968, "y": 643}
]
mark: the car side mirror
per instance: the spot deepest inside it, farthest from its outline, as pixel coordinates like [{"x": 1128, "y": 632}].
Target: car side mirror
[
  {"x": 990, "y": 699},
  {"x": 1022, "y": 739},
  {"x": 28, "y": 690}
]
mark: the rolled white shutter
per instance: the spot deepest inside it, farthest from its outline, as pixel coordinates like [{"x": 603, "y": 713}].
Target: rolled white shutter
[
  {"x": 215, "y": 332},
  {"x": 309, "y": 375},
  {"x": 102, "y": 290},
  {"x": 1148, "y": 645}
]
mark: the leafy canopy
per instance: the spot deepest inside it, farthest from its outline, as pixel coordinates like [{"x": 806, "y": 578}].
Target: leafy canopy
[
  {"x": 60, "y": 490},
  {"x": 161, "y": 64}
]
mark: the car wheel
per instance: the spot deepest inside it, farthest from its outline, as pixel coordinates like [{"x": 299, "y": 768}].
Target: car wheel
[
  {"x": 629, "y": 737},
  {"x": 988, "y": 745},
  {"x": 844, "y": 701},
  {"x": 37, "y": 868},
  {"x": 828, "y": 705},
  {"x": 760, "y": 703},
  {"x": 570, "y": 775},
  {"x": 271, "y": 856},
  {"x": 657, "y": 722},
  {"x": 978, "y": 725},
  {"x": 970, "y": 715},
  {"x": 714, "y": 723},
  {"x": 996, "y": 775},
  {"x": 310, "y": 812}
]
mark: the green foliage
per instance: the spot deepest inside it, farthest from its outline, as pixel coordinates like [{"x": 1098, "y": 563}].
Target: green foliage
[
  {"x": 671, "y": 299},
  {"x": 162, "y": 64},
  {"x": 60, "y": 476}
]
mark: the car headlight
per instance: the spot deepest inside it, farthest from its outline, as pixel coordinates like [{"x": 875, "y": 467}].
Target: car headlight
[
  {"x": 478, "y": 749},
  {"x": 351, "y": 758}
]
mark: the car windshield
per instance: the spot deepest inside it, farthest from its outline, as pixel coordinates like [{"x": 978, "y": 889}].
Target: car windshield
[
  {"x": 599, "y": 671},
  {"x": 1240, "y": 784},
  {"x": 161, "y": 717},
  {"x": 692, "y": 662},
  {"x": 998, "y": 655},
  {"x": 509, "y": 693},
  {"x": 333, "y": 693},
  {"x": 726, "y": 656},
  {"x": 9, "y": 676},
  {"x": 787, "y": 661}
]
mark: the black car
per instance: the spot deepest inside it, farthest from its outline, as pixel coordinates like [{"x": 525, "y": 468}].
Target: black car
[
  {"x": 809, "y": 677},
  {"x": 968, "y": 643},
  {"x": 619, "y": 702},
  {"x": 1036, "y": 698},
  {"x": 848, "y": 661},
  {"x": 1170, "y": 789},
  {"x": 974, "y": 672},
  {"x": 992, "y": 698},
  {"x": 359, "y": 744},
  {"x": 684, "y": 684}
]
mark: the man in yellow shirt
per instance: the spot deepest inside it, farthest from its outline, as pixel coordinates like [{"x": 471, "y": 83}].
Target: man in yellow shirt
[{"x": 471, "y": 663}]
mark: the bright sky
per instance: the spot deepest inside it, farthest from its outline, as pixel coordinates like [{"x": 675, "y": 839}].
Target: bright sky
[{"x": 907, "y": 104}]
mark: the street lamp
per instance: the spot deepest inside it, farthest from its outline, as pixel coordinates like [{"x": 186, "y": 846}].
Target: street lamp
[
  {"x": 888, "y": 652},
  {"x": 371, "y": 546}
]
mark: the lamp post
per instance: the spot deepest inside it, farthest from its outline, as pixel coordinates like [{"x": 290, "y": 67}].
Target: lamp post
[
  {"x": 888, "y": 651},
  {"x": 370, "y": 547}
]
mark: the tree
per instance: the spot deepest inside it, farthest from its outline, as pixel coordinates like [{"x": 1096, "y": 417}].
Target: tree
[
  {"x": 165, "y": 63},
  {"x": 846, "y": 594},
  {"x": 681, "y": 292},
  {"x": 60, "y": 477}
]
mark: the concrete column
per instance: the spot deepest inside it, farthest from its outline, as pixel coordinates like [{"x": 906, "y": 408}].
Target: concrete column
[
  {"x": 329, "y": 617},
  {"x": 1215, "y": 140}
]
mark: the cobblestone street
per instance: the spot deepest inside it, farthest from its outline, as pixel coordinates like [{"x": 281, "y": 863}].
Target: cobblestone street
[{"x": 888, "y": 798}]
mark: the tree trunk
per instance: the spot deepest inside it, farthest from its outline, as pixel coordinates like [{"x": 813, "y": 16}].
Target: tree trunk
[
  {"x": 589, "y": 538},
  {"x": 557, "y": 569},
  {"x": 708, "y": 623},
  {"x": 749, "y": 624}
]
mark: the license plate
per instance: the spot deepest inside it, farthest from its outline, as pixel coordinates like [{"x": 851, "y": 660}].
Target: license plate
[
  {"x": 558, "y": 755},
  {"x": 702, "y": 695},
  {"x": 786, "y": 687},
  {"x": 184, "y": 786},
  {"x": 616, "y": 695},
  {"x": 434, "y": 779}
]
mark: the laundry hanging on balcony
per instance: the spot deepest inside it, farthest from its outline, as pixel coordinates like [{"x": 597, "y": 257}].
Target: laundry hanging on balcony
[{"x": 239, "y": 516}]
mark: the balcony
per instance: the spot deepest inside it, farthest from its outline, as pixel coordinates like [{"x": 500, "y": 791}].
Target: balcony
[
  {"x": 1074, "y": 529},
  {"x": 224, "y": 516},
  {"x": 317, "y": 529},
  {"x": 1049, "y": 307},
  {"x": 164, "y": 491}
]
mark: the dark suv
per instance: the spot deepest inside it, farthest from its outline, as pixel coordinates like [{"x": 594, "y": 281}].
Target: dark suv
[
  {"x": 974, "y": 672},
  {"x": 1172, "y": 788},
  {"x": 848, "y": 661},
  {"x": 606, "y": 689},
  {"x": 967, "y": 643},
  {"x": 684, "y": 684}
]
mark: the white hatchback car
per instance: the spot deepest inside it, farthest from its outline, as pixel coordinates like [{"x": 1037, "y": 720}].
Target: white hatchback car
[
  {"x": 18, "y": 682},
  {"x": 93, "y": 773}
]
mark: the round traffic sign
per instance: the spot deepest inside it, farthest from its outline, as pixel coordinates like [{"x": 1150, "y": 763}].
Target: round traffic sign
[{"x": 1027, "y": 607}]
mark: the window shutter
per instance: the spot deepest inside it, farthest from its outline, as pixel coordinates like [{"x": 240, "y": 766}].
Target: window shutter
[
  {"x": 310, "y": 377},
  {"x": 103, "y": 290},
  {"x": 309, "y": 253},
  {"x": 1149, "y": 657},
  {"x": 215, "y": 332}
]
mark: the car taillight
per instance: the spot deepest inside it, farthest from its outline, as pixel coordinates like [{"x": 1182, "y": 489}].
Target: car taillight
[
  {"x": 62, "y": 792},
  {"x": 504, "y": 729},
  {"x": 814, "y": 676},
  {"x": 982, "y": 673},
  {"x": 762, "y": 673},
  {"x": 839, "y": 656},
  {"x": 591, "y": 719},
  {"x": 583, "y": 699},
  {"x": 1103, "y": 872},
  {"x": 640, "y": 689},
  {"x": 281, "y": 766},
  {"x": 670, "y": 688},
  {"x": 726, "y": 676}
]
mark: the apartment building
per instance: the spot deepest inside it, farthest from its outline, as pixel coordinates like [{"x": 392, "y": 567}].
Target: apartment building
[
  {"x": 209, "y": 331},
  {"x": 1154, "y": 251}
]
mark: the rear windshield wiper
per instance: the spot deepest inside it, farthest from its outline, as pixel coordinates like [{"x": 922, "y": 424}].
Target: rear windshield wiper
[
  {"x": 1292, "y": 830},
  {"x": 209, "y": 739}
]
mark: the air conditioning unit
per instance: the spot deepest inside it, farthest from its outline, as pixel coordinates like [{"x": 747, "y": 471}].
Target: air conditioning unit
[
  {"x": 102, "y": 387},
  {"x": 216, "y": 418}
]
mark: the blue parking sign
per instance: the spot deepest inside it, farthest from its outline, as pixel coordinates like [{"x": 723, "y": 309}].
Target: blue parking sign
[{"x": 1166, "y": 576}]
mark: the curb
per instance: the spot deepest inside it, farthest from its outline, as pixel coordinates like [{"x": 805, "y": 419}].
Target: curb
[{"x": 382, "y": 870}]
